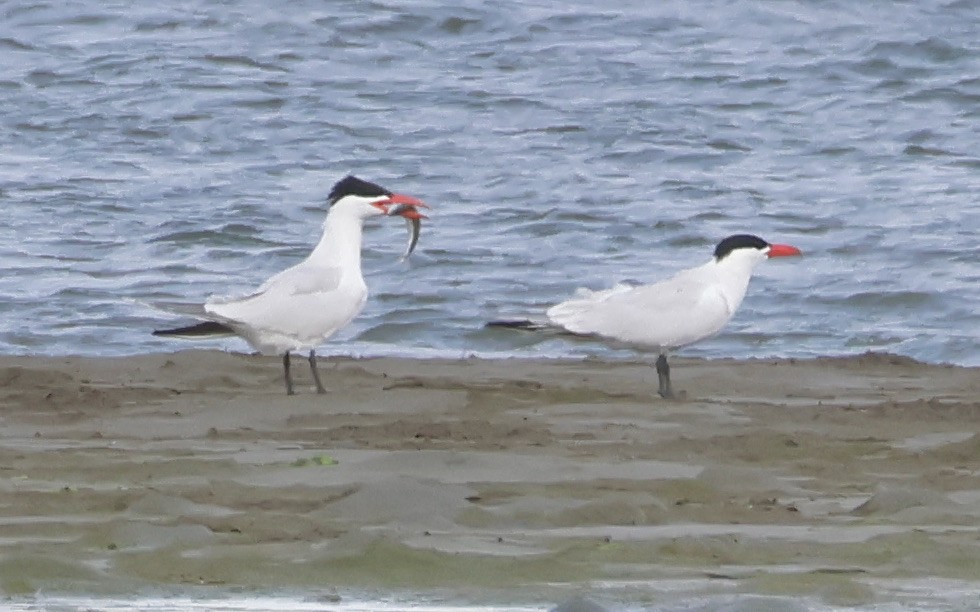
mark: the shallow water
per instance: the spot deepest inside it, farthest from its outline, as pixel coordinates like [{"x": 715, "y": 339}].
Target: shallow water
[
  {"x": 181, "y": 149},
  {"x": 915, "y": 596}
]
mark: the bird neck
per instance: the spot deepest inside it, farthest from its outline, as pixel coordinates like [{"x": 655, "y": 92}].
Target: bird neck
[
  {"x": 733, "y": 275},
  {"x": 340, "y": 243}
]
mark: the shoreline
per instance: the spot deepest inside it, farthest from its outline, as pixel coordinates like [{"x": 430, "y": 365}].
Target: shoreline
[
  {"x": 825, "y": 477},
  {"x": 624, "y": 355}
]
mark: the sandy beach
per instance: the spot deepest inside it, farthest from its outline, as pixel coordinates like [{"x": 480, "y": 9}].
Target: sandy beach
[{"x": 841, "y": 479}]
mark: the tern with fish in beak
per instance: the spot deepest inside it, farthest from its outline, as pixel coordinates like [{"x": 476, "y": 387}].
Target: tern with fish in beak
[{"x": 302, "y": 306}]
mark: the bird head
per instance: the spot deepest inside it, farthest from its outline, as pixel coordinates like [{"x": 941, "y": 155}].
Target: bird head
[
  {"x": 364, "y": 199},
  {"x": 750, "y": 249},
  {"x": 367, "y": 199}
]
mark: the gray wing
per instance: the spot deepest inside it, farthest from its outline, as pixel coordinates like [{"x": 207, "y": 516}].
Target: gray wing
[{"x": 300, "y": 279}]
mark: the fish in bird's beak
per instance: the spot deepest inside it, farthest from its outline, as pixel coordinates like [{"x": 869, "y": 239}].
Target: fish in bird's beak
[{"x": 407, "y": 207}]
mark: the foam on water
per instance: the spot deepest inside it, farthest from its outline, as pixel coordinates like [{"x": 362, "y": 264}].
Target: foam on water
[{"x": 914, "y": 596}]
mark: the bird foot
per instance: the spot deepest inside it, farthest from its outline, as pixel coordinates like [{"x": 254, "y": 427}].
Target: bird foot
[{"x": 669, "y": 395}]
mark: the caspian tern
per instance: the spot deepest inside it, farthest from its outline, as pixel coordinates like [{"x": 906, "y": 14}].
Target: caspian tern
[
  {"x": 300, "y": 307},
  {"x": 690, "y": 306}
]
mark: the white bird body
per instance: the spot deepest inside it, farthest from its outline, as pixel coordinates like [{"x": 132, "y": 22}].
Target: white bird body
[
  {"x": 690, "y": 306},
  {"x": 302, "y": 306}
]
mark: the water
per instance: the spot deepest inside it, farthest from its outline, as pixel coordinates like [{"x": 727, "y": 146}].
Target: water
[
  {"x": 174, "y": 150},
  {"x": 954, "y": 599}
]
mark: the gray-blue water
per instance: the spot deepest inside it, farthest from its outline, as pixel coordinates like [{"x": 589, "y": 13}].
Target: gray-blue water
[{"x": 172, "y": 150}]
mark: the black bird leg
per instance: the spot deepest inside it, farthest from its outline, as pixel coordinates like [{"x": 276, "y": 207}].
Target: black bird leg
[
  {"x": 316, "y": 375},
  {"x": 663, "y": 373},
  {"x": 285, "y": 369}
]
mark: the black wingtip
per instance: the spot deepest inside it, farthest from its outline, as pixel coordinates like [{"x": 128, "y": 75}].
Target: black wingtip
[
  {"x": 207, "y": 328},
  {"x": 516, "y": 324}
]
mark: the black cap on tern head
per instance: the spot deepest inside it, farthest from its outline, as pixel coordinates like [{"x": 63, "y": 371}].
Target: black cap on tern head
[
  {"x": 351, "y": 185},
  {"x": 738, "y": 241}
]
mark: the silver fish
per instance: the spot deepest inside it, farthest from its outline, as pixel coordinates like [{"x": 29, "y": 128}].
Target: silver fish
[
  {"x": 414, "y": 229},
  {"x": 414, "y": 221}
]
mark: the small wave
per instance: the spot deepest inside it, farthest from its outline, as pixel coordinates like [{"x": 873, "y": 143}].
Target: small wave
[
  {"x": 885, "y": 299},
  {"x": 930, "y": 49},
  {"x": 12, "y": 44},
  {"x": 241, "y": 61}
]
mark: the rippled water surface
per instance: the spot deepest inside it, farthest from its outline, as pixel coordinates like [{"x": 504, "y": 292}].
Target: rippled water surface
[
  {"x": 174, "y": 150},
  {"x": 914, "y": 599}
]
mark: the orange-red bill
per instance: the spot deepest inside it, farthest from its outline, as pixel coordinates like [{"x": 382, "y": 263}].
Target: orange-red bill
[
  {"x": 406, "y": 210},
  {"x": 400, "y": 198},
  {"x": 406, "y": 206},
  {"x": 783, "y": 250}
]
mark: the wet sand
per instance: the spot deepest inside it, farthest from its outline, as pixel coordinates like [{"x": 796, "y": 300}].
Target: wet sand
[{"x": 841, "y": 479}]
